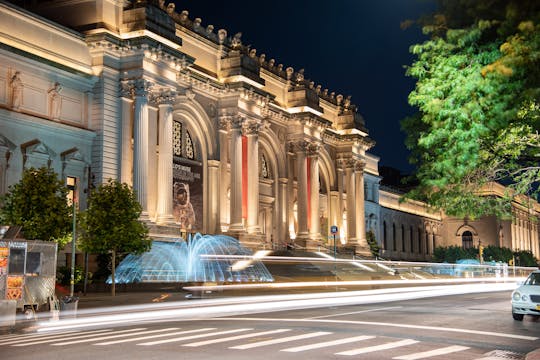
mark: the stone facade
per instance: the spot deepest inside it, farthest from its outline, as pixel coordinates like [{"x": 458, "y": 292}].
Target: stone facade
[{"x": 212, "y": 136}]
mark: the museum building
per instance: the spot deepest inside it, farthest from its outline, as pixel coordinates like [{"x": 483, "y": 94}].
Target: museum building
[{"x": 213, "y": 136}]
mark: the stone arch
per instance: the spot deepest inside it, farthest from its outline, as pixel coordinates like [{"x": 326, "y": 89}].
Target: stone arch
[
  {"x": 466, "y": 227},
  {"x": 268, "y": 140},
  {"x": 192, "y": 115}
]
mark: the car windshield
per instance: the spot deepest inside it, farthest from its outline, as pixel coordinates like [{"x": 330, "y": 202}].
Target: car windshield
[{"x": 533, "y": 279}]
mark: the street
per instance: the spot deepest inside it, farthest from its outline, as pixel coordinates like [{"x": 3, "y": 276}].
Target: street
[{"x": 471, "y": 326}]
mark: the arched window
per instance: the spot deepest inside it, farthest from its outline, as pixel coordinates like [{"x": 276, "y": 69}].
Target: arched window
[
  {"x": 394, "y": 245},
  {"x": 467, "y": 239},
  {"x": 411, "y": 240},
  {"x": 190, "y": 149},
  {"x": 419, "y": 240},
  {"x": 385, "y": 238},
  {"x": 402, "y": 238},
  {"x": 265, "y": 172},
  {"x": 183, "y": 145},
  {"x": 177, "y": 138}
]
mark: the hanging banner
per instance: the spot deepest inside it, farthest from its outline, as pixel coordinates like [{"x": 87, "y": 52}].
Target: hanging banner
[
  {"x": 14, "y": 288},
  {"x": 187, "y": 195},
  {"x": 4, "y": 256}
]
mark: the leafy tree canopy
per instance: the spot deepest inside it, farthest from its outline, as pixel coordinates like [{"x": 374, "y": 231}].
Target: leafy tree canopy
[
  {"x": 38, "y": 203},
  {"x": 477, "y": 95},
  {"x": 111, "y": 221}
]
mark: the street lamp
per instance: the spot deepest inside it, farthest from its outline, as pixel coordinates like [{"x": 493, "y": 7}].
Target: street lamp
[{"x": 71, "y": 185}]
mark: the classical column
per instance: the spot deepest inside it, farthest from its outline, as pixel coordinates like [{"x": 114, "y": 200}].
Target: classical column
[
  {"x": 236, "y": 174},
  {"x": 341, "y": 195},
  {"x": 360, "y": 206},
  {"x": 224, "y": 126},
  {"x": 282, "y": 211},
  {"x": 126, "y": 156},
  {"x": 140, "y": 146},
  {"x": 165, "y": 100},
  {"x": 251, "y": 131},
  {"x": 302, "y": 198},
  {"x": 313, "y": 153},
  {"x": 213, "y": 197},
  {"x": 350, "y": 183}
]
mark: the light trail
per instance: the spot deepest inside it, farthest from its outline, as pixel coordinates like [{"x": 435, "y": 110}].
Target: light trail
[{"x": 218, "y": 308}]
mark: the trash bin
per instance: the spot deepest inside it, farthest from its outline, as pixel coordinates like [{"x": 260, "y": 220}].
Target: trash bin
[{"x": 68, "y": 305}]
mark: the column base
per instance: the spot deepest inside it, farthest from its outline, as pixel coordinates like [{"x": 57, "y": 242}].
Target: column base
[
  {"x": 144, "y": 216},
  {"x": 305, "y": 242},
  {"x": 165, "y": 219},
  {"x": 239, "y": 227},
  {"x": 363, "y": 251}
]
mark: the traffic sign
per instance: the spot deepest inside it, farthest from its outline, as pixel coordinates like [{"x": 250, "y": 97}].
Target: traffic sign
[{"x": 333, "y": 229}]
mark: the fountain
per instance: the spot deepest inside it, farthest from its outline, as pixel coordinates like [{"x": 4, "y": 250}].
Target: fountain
[{"x": 181, "y": 261}]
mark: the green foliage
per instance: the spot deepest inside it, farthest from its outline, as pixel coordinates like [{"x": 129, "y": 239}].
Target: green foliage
[
  {"x": 111, "y": 224},
  {"x": 372, "y": 242},
  {"x": 496, "y": 253},
  {"x": 63, "y": 275},
  {"x": 453, "y": 253},
  {"x": 38, "y": 203},
  {"x": 525, "y": 258},
  {"x": 111, "y": 221},
  {"x": 477, "y": 95}
]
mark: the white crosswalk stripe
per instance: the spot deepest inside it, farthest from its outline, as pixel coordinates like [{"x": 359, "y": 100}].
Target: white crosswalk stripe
[
  {"x": 8, "y": 338},
  {"x": 436, "y": 352},
  {"x": 50, "y": 338},
  {"x": 280, "y": 340},
  {"x": 329, "y": 343},
  {"x": 153, "y": 336},
  {"x": 212, "y": 335},
  {"x": 112, "y": 336},
  {"x": 193, "y": 337},
  {"x": 386, "y": 346},
  {"x": 238, "y": 337}
]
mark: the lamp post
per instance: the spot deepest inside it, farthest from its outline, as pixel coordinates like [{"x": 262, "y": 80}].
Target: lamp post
[{"x": 71, "y": 184}]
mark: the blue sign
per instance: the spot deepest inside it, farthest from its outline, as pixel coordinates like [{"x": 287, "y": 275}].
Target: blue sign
[{"x": 333, "y": 229}]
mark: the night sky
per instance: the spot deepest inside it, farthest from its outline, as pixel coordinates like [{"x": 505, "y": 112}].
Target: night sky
[{"x": 352, "y": 47}]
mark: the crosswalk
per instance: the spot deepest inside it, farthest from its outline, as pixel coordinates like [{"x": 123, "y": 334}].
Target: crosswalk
[{"x": 290, "y": 340}]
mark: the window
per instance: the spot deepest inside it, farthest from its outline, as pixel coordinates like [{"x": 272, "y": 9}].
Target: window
[
  {"x": 467, "y": 240},
  {"x": 402, "y": 238},
  {"x": 394, "y": 245},
  {"x": 419, "y": 240},
  {"x": 190, "y": 150},
  {"x": 411, "y": 240},
  {"x": 384, "y": 236},
  {"x": 16, "y": 261},
  {"x": 177, "y": 138},
  {"x": 33, "y": 263},
  {"x": 264, "y": 168}
]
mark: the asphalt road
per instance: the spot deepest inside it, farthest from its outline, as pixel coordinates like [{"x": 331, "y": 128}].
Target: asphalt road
[{"x": 472, "y": 326}]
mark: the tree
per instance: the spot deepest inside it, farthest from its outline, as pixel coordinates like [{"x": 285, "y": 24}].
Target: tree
[
  {"x": 477, "y": 95},
  {"x": 38, "y": 203},
  {"x": 111, "y": 224}
]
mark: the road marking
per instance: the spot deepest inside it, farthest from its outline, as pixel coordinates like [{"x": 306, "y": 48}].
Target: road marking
[
  {"x": 372, "y": 323},
  {"x": 436, "y": 352},
  {"x": 116, "y": 335},
  {"x": 328, "y": 343},
  {"x": 193, "y": 337},
  {"x": 238, "y": 337},
  {"x": 52, "y": 338},
  {"x": 153, "y": 336},
  {"x": 355, "y": 312},
  {"x": 280, "y": 340},
  {"x": 387, "y": 346},
  {"x": 85, "y": 335},
  {"x": 6, "y": 338}
]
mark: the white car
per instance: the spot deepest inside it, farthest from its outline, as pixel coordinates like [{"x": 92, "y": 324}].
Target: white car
[{"x": 526, "y": 298}]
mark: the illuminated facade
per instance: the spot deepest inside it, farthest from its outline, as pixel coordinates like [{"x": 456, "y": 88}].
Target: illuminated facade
[{"x": 214, "y": 137}]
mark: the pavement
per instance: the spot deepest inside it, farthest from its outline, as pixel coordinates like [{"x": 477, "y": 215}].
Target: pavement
[{"x": 105, "y": 299}]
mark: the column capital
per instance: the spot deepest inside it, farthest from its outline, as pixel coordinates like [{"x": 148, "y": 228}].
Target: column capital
[
  {"x": 164, "y": 96},
  {"x": 299, "y": 146},
  {"x": 359, "y": 165},
  {"x": 251, "y": 127},
  {"x": 135, "y": 88},
  {"x": 313, "y": 149}
]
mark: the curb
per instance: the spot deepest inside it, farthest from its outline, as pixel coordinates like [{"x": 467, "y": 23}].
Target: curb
[{"x": 533, "y": 355}]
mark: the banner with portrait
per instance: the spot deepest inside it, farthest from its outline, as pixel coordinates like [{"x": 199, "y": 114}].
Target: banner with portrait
[{"x": 187, "y": 194}]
